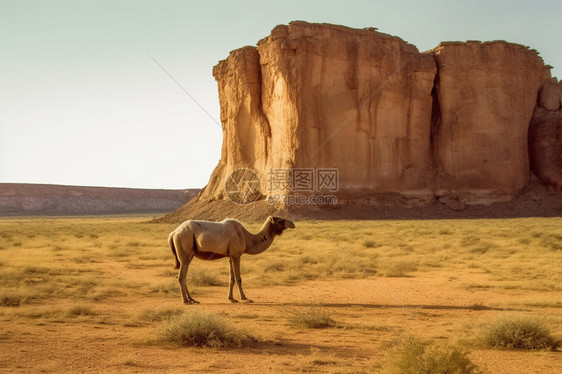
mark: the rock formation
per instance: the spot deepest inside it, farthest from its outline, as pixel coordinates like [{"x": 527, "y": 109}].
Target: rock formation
[
  {"x": 545, "y": 147},
  {"x": 486, "y": 94},
  {"x": 449, "y": 124},
  {"x": 550, "y": 97},
  {"x": 358, "y": 101},
  {"x": 323, "y": 96},
  {"x": 246, "y": 131}
]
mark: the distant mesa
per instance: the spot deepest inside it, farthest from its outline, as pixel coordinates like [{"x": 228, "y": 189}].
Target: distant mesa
[
  {"x": 42, "y": 199},
  {"x": 447, "y": 127}
]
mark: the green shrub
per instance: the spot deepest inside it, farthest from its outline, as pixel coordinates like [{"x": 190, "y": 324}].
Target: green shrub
[
  {"x": 416, "y": 356},
  {"x": 519, "y": 333},
  {"x": 203, "y": 330}
]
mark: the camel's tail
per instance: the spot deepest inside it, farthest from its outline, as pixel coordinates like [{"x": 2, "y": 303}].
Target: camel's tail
[{"x": 174, "y": 251}]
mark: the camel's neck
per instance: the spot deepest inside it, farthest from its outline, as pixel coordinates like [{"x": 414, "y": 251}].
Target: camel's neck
[{"x": 258, "y": 243}]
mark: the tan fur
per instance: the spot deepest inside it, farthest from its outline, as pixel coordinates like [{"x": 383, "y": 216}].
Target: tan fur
[
  {"x": 213, "y": 240},
  {"x": 173, "y": 248}
]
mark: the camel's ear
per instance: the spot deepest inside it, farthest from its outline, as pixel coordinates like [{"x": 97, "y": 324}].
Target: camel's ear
[
  {"x": 271, "y": 219},
  {"x": 289, "y": 224}
]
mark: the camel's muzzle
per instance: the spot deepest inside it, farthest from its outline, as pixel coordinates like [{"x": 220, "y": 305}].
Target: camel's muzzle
[{"x": 289, "y": 224}]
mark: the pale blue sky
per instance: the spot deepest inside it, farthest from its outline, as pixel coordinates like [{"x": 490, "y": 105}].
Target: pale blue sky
[{"x": 82, "y": 103}]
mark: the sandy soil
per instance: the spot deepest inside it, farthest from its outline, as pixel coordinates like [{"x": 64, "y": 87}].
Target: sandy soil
[{"x": 369, "y": 321}]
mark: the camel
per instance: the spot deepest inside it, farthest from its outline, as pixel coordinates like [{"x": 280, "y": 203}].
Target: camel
[{"x": 214, "y": 240}]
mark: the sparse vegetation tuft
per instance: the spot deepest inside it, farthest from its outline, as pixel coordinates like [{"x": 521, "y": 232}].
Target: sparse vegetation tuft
[
  {"x": 519, "y": 333},
  {"x": 205, "y": 278},
  {"x": 80, "y": 310},
  {"x": 399, "y": 268},
  {"x": 200, "y": 329},
  {"x": 10, "y": 299},
  {"x": 158, "y": 315},
  {"x": 370, "y": 244},
  {"x": 15, "y": 297},
  {"x": 314, "y": 317},
  {"x": 413, "y": 356}
]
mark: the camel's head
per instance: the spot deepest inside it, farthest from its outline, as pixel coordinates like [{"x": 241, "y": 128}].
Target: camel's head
[{"x": 278, "y": 225}]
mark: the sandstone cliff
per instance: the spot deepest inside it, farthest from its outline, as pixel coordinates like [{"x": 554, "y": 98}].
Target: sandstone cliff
[
  {"x": 358, "y": 101},
  {"x": 324, "y": 96},
  {"x": 486, "y": 94},
  {"x": 545, "y": 136},
  {"x": 246, "y": 132},
  {"x": 449, "y": 124}
]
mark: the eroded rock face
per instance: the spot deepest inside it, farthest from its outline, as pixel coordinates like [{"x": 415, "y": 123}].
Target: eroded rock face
[
  {"x": 246, "y": 133},
  {"x": 448, "y": 122},
  {"x": 355, "y": 100},
  {"x": 486, "y": 96},
  {"x": 545, "y": 147},
  {"x": 550, "y": 97}
]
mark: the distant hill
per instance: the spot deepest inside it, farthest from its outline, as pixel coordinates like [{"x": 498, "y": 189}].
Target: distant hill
[{"x": 44, "y": 199}]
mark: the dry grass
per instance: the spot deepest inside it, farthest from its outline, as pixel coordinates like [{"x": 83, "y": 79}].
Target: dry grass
[
  {"x": 89, "y": 269},
  {"x": 404, "y": 248},
  {"x": 75, "y": 255},
  {"x": 75, "y": 252},
  {"x": 80, "y": 310},
  {"x": 413, "y": 356},
  {"x": 195, "y": 328},
  {"x": 15, "y": 297},
  {"x": 314, "y": 317},
  {"x": 515, "y": 332}
]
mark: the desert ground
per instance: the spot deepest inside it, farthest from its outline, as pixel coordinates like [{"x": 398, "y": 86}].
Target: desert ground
[{"x": 100, "y": 295}]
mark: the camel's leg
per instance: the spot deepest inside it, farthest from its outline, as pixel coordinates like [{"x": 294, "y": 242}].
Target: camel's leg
[
  {"x": 182, "y": 279},
  {"x": 185, "y": 257},
  {"x": 231, "y": 283},
  {"x": 236, "y": 269}
]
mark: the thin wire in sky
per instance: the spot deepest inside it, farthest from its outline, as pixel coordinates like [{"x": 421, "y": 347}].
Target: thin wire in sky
[{"x": 245, "y": 151}]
